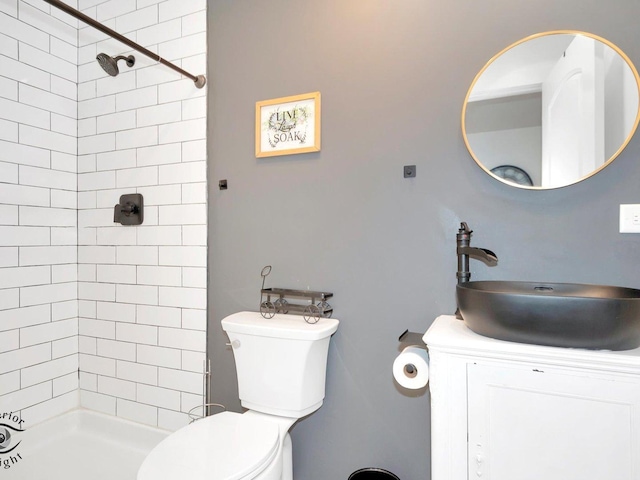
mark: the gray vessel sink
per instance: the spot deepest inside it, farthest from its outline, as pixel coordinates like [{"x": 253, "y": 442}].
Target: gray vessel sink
[{"x": 555, "y": 314}]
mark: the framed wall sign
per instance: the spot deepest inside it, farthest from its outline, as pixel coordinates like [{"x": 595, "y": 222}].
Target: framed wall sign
[{"x": 288, "y": 125}]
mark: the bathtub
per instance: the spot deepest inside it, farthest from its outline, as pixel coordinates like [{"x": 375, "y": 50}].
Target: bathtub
[{"x": 80, "y": 445}]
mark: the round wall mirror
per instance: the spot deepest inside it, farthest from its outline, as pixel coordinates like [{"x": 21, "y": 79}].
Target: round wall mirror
[{"x": 551, "y": 110}]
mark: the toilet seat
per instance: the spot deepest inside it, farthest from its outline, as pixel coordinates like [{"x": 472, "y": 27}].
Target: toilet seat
[{"x": 226, "y": 446}]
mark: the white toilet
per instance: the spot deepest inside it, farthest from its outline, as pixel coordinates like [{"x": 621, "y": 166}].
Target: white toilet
[{"x": 281, "y": 364}]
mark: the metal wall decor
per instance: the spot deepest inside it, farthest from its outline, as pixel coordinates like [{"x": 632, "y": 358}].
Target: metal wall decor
[{"x": 274, "y": 300}]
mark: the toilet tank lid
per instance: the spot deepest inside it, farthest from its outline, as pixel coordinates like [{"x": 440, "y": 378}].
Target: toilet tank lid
[{"x": 280, "y": 326}]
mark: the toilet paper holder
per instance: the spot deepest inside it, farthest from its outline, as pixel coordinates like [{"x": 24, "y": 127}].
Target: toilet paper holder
[{"x": 411, "y": 337}]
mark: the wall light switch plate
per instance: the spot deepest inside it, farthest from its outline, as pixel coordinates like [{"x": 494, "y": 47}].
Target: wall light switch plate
[{"x": 629, "y": 218}]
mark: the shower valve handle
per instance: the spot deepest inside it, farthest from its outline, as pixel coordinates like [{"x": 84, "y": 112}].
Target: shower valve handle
[{"x": 130, "y": 209}]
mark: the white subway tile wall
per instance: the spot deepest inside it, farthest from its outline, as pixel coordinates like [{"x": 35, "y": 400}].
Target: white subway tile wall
[
  {"x": 141, "y": 287},
  {"x": 115, "y": 313},
  {"x": 38, "y": 236}
]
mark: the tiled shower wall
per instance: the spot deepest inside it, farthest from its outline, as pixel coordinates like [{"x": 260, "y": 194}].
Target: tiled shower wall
[
  {"x": 142, "y": 290},
  {"x": 72, "y": 140},
  {"x": 38, "y": 253}
]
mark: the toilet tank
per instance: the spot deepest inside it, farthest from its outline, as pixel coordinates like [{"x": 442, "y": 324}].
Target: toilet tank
[{"x": 281, "y": 362}]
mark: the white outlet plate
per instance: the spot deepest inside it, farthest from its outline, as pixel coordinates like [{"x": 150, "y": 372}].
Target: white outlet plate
[{"x": 629, "y": 218}]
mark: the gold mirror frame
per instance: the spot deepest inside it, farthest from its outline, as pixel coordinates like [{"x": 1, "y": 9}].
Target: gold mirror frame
[{"x": 527, "y": 39}]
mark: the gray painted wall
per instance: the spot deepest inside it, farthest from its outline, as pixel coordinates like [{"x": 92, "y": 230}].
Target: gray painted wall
[{"x": 393, "y": 76}]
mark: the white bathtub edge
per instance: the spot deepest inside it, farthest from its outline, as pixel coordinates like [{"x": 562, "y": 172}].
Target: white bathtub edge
[{"x": 90, "y": 422}]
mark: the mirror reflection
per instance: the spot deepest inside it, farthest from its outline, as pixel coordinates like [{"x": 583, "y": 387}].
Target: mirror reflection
[{"x": 551, "y": 109}]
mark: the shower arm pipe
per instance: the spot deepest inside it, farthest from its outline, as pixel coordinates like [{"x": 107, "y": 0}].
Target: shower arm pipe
[{"x": 199, "y": 80}]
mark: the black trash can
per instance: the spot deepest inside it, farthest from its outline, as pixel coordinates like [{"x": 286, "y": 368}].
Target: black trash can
[{"x": 372, "y": 474}]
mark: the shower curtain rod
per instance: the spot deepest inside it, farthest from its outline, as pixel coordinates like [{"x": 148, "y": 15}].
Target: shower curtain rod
[{"x": 199, "y": 80}]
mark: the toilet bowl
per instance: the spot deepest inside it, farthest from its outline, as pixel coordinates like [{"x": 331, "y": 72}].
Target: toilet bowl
[
  {"x": 281, "y": 366},
  {"x": 226, "y": 446}
]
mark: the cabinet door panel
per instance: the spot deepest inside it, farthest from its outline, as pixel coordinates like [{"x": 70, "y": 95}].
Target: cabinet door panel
[{"x": 533, "y": 424}]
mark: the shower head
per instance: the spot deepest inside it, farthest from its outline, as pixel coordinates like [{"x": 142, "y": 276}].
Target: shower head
[{"x": 110, "y": 64}]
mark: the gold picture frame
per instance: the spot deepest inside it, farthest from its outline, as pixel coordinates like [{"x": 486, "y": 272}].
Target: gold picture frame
[{"x": 288, "y": 125}]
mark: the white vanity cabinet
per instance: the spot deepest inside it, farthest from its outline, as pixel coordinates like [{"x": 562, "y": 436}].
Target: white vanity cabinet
[{"x": 509, "y": 411}]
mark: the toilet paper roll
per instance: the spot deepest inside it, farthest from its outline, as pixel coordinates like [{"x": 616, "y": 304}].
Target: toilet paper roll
[{"x": 411, "y": 367}]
